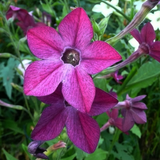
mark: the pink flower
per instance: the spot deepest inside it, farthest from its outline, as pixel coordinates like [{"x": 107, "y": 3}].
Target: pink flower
[
  {"x": 82, "y": 130},
  {"x": 67, "y": 56},
  {"x": 117, "y": 77},
  {"x": 26, "y": 20},
  {"x": 146, "y": 40},
  {"x": 114, "y": 120},
  {"x": 133, "y": 112}
]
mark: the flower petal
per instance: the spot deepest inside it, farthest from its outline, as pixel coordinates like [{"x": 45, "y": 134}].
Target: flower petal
[
  {"x": 43, "y": 77},
  {"x": 128, "y": 121},
  {"x": 76, "y": 29},
  {"x": 113, "y": 113},
  {"x": 51, "y": 123},
  {"x": 135, "y": 33},
  {"x": 78, "y": 89},
  {"x": 102, "y": 102},
  {"x": 139, "y": 105},
  {"x": 54, "y": 97},
  {"x": 98, "y": 56},
  {"x": 82, "y": 130},
  {"x": 139, "y": 116},
  {"x": 45, "y": 42},
  {"x": 118, "y": 123},
  {"x": 148, "y": 33},
  {"x": 136, "y": 99},
  {"x": 155, "y": 50}
]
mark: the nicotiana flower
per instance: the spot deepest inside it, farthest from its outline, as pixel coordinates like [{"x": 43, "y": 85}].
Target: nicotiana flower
[
  {"x": 35, "y": 149},
  {"x": 133, "y": 112},
  {"x": 114, "y": 120},
  {"x": 25, "y": 19},
  {"x": 115, "y": 75},
  {"x": 146, "y": 41},
  {"x": 82, "y": 129},
  {"x": 105, "y": 9},
  {"x": 68, "y": 57}
]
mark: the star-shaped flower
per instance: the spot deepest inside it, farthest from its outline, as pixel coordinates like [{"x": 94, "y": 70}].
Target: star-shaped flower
[
  {"x": 133, "y": 112},
  {"x": 146, "y": 41},
  {"x": 82, "y": 129},
  {"x": 67, "y": 56}
]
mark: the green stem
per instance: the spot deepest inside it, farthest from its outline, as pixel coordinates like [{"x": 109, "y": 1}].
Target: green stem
[
  {"x": 28, "y": 109},
  {"x": 66, "y": 4},
  {"x": 115, "y": 139},
  {"x": 117, "y": 10},
  {"x": 62, "y": 151},
  {"x": 131, "y": 74},
  {"x": 78, "y": 3},
  {"x": 11, "y": 38},
  {"x": 133, "y": 57},
  {"x": 136, "y": 21}
]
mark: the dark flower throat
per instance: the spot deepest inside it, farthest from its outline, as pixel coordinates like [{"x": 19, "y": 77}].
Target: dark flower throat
[{"x": 71, "y": 56}]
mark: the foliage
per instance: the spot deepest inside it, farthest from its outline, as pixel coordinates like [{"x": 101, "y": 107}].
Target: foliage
[{"x": 20, "y": 113}]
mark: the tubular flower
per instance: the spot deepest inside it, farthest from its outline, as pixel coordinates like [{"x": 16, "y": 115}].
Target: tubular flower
[
  {"x": 146, "y": 41},
  {"x": 133, "y": 112},
  {"x": 82, "y": 130},
  {"x": 68, "y": 57},
  {"x": 25, "y": 19}
]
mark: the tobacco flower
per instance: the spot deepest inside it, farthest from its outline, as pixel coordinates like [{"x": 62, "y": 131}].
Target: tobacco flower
[
  {"x": 69, "y": 57},
  {"x": 25, "y": 19},
  {"x": 146, "y": 41},
  {"x": 82, "y": 129},
  {"x": 133, "y": 112}
]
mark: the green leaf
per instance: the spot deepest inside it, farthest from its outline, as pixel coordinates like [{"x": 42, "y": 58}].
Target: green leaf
[
  {"x": 7, "y": 74},
  {"x": 95, "y": 27},
  {"x": 10, "y": 124},
  {"x": 100, "y": 83},
  {"x": 98, "y": 154},
  {"x": 8, "y": 156},
  {"x": 124, "y": 151},
  {"x": 135, "y": 130},
  {"x": 103, "y": 24},
  {"x": 70, "y": 158},
  {"x": 145, "y": 76}
]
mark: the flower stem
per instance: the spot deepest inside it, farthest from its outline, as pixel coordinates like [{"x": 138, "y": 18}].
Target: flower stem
[
  {"x": 134, "y": 56},
  {"x": 136, "y": 21},
  {"x": 105, "y": 126},
  {"x": 62, "y": 151},
  {"x": 115, "y": 139}
]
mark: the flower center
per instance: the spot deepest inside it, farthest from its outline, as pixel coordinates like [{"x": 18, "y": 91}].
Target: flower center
[
  {"x": 144, "y": 48},
  {"x": 128, "y": 104},
  {"x": 71, "y": 56}
]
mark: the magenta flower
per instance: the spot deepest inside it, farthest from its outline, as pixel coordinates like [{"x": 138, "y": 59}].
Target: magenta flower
[
  {"x": 82, "y": 130},
  {"x": 146, "y": 40},
  {"x": 68, "y": 57},
  {"x": 26, "y": 20},
  {"x": 114, "y": 120},
  {"x": 133, "y": 112},
  {"x": 115, "y": 75}
]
